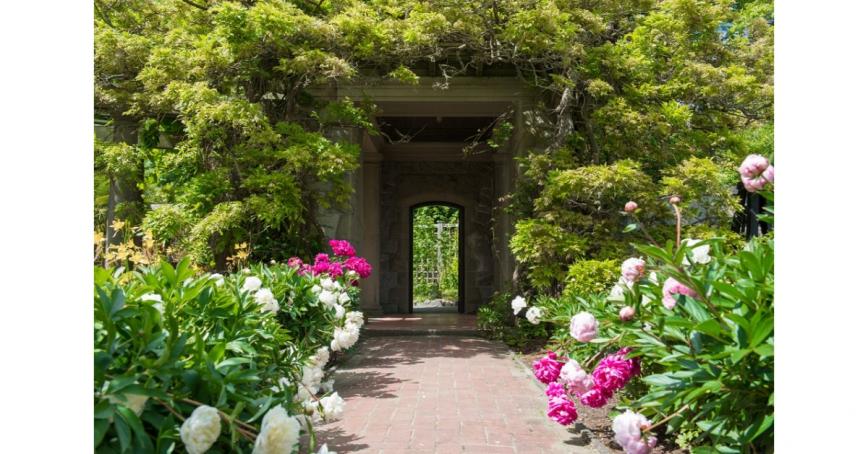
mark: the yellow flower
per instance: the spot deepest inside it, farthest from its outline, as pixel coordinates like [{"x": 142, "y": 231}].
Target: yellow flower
[
  {"x": 118, "y": 224},
  {"x": 98, "y": 237}
]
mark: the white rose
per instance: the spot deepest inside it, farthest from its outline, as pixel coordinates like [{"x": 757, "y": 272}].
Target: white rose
[
  {"x": 278, "y": 433},
  {"x": 699, "y": 254},
  {"x": 252, "y": 284},
  {"x": 518, "y": 303},
  {"x": 201, "y": 429},
  {"x": 533, "y": 315}
]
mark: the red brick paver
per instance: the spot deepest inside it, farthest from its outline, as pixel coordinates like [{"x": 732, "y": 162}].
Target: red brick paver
[{"x": 441, "y": 394}]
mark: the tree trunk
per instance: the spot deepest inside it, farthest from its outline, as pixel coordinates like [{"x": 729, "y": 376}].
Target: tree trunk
[{"x": 123, "y": 189}]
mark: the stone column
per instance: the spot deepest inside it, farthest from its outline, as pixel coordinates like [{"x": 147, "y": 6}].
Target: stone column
[{"x": 369, "y": 192}]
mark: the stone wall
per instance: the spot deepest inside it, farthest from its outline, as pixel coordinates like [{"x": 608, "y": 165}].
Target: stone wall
[{"x": 406, "y": 184}]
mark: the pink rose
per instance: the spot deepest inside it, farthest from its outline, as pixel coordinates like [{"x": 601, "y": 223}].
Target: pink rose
[
  {"x": 548, "y": 368},
  {"x": 575, "y": 378},
  {"x": 672, "y": 287},
  {"x": 632, "y": 269},
  {"x": 626, "y": 313},
  {"x": 631, "y": 206},
  {"x": 562, "y": 410},
  {"x": 583, "y": 327},
  {"x": 628, "y": 428}
]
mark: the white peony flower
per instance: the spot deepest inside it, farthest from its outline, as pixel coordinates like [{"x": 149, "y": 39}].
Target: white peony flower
[
  {"x": 352, "y": 275},
  {"x": 653, "y": 277},
  {"x": 217, "y": 278},
  {"x": 316, "y": 289},
  {"x": 355, "y": 318},
  {"x": 533, "y": 315},
  {"x": 272, "y": 262},
  {"x": 201, "y": 429},
  {"x": 328, "y": 298},
  {"x": 518, "y": 303},
  {"x": 135, "y": 402},
  {"x": 344, "y": 298},
  {"x": 321, "y": 357},
  {"x": 324, "y": 449},
  {"x": 699, "y": 254},
  {"x": 278, "y": 433},
  {"x": 339, "y": 311},
  {"x": 156, "y": 299},
  {"x": 251, "y": 284},
  {"x": 311, "y": 377},
  {"x": 266, "y": 299},
  {"x": 345, "y": 337},
  {"x": 246, "y": 270},
  {"x": 332, "y": 406},
  {"x": 328, "y": 385},
  {"x": 617, "y": 292},
  {"x": 310, "y": 406},
  {"x": 328, "y": 284}
]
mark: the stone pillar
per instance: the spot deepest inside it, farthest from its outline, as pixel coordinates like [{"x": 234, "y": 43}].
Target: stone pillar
[
  {"x": 345, "y": 223},
  {"x": 370, "y": 221}
]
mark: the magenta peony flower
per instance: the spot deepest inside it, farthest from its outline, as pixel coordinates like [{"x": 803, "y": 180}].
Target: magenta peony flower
[
  {"x": 626, "y": 313},
  {"x": 672, "y": 287},
  {"x": 632, "y": 269},
  {"x": 562, "y": 410},
  {"x": 335, "y": 270},
  {"x": 321, "y": 267},
  {"x": 576, "y": 380},
  {"x": 548, "y": 368},
  {"x": 294, "y": 262},
  {"x": 631, "y": 206},
  {"x": 596, "y": 397},
  {"x": 583, "y": 327},
  {"x": 305, "y": 269},
  {"x": 628, "y": 428},
  {"x": 612, "y": 373},
  {"x": 359, "y": 265},
  {"x": 342, "y": 248},
  {"x": 555, "y": 389},
  {"x": 635, "y": 364}
]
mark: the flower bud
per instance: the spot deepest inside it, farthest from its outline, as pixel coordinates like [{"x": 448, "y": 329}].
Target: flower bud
[
  {"x": 675, "y": 200},
  {"x": 631, "y": 206},
  {"x": 627, "y": 313}
]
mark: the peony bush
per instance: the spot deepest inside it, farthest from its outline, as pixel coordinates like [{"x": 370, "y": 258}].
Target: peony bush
[
  {"x": 683, "y": 343},
  {"x": 214, "y": 362}
]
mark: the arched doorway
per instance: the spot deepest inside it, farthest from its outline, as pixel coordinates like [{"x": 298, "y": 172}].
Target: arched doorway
[{"x": 436, "y": 265}]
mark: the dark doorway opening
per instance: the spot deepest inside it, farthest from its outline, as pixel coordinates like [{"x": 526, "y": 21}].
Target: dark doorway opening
[{"x": 436, "y": 258}]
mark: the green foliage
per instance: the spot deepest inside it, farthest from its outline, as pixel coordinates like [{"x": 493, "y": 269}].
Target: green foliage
[
  {"x": 435, "y": 250},
  {"x": 588, "y": 277},
  {"x": 205, "y": 342},
  {"x": 706, "y": 186}
]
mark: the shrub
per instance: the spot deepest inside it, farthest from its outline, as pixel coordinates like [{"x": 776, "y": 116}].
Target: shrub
[
  {"x": 170, "y": 345},
  {"x": 496, "y": 321},
  {"x": 587, "y": 277},
  {"x": 687, "y": 333}
]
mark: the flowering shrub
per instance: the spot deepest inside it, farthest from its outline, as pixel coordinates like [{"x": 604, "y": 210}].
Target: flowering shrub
[
  {"x": 687, "y": 333},
  {"x": 218, "y": 362},
  {"x": 498, "y": 320}
]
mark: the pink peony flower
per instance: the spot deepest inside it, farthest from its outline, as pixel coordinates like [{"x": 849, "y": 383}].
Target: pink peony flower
[
  {"x": 753, "y": 165},
  {"x": 632, "y": 269},
  {"x": 321, "y": 267},
  {"x": 628, "y": 433},
  {"x": 675, "y": 200},
  {"x": 555, "y": 389},
  {"x": 635, "y": 364},
  {"x": 359, "y": 265},
  {"x": 335, "y": 270},
  {"x": 305, "y": 269},
  {"x": 548, "y": 368},
  {"x": 596, "y": 397},
  {"x": 576, "y": 380},
  {"x": 631, "y": 206},
  {"x": 626, "y": 313},
  {"x": 583, "y": 327},
  {"x": 294, "y": 262},
  {"x": 612, "y": 373},
  {"x": 562, "y": 410},
  {"x": 342, "y": 248},
  {"x": 769, "y": 174},
  {"x": 672, "y": 287},
  {"x": 321, "y": 257}
]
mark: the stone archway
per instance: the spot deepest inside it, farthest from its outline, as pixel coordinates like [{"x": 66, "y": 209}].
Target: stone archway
[{"x": 396, "y": 175}]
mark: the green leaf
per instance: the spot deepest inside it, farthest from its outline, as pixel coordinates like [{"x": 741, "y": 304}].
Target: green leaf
[
  {"x": 100, "y": 427},
  {"x": 761, "y": 331},
  {"x": 710, "y": 327},
  {"x": 232, "y": 362},
  {"x": 661, "y": 380},
  {"x": 123, "y": 433},
  {"x": 133, "y": 421},
  {"x": 630, "y": 228}
]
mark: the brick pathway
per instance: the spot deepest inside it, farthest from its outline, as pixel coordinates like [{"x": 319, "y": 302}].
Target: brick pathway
[{"x": 442, "y": 394}]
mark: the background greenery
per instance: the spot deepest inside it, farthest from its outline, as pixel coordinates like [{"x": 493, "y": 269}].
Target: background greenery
[{"x": 435, "y": 253}]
